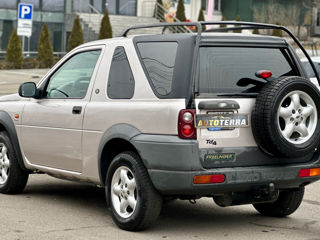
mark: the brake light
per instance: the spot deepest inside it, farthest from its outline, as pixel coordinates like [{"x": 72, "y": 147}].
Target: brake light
[
  {"x": 207, "y": 179},
  {"x": 186, "y": 129},
  {"x": 309, "y": 172},
  {"x": 264, "y": 74}
]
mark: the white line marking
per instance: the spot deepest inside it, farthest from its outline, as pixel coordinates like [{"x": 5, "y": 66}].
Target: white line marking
[{"x": 24, "y": 73}]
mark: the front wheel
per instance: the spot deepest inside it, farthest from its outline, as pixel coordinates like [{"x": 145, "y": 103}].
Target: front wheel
[
  {"x": 133, "y": 201},
  {"x": 287, "y": 203},
  {"x": 12, "y": 178}
]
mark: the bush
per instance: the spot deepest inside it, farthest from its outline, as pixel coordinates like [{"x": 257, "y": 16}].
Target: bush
[
  {"x": 223, "y": 25},
  {"x": 277, "y": 32},
  {"x": 255, "y": 31},
  {"x": 29, "y": 63},
  {"x": 45, "y": 50},
  {"x": 180, "y": 14},
  {"x": 14, "y": 55},
  {"x": 201, "y": 18},
  {"x": 237, "y": 19},
  {"x": 76, "y": 36},
  {"x": 105, "y": 26}
]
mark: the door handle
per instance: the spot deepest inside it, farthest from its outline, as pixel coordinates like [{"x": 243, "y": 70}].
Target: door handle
[{"x": 76, "y": 110}]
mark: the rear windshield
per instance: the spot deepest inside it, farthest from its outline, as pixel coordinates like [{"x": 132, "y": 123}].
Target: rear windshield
[{"x": 221, "y": 68}]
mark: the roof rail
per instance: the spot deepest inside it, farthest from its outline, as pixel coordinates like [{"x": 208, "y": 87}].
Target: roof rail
[
  {"x": 242, "y": 25},
  {"x": 163, "y": 25}
]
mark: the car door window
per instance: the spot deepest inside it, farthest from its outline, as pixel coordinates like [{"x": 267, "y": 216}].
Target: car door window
[{"x": 72, "y": 79}]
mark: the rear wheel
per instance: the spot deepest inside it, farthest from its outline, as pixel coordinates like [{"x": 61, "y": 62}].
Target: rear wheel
[
  {"x": 133, "y": 201},
  {"x": 12, "y": 178},
  {"x": 287, "y": 203}
]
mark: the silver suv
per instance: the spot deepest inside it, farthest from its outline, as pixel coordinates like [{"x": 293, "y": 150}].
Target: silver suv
[{"x": 157, "y": 117}]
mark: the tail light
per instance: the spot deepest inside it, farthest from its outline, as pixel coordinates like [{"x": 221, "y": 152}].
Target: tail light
[
  {"x": 309, "y": 172},
  {"x": 207, "y": 179},
  {"x": 186, "y": 128}
]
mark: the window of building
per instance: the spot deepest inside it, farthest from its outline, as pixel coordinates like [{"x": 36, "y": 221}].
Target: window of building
[
  {"x": 159, "y": 61},
  {"x": 53, "y": 6},
  {"x": 8, "y": 4},
  {"x": 122, "y": 7},
  {"x": 98, "y": 5},
  {"x": 72, "y": 79},
  {"x": 81, "y": 5},
  {"x": 121, "y": 81},
  {"x": 217, "y": 5}
]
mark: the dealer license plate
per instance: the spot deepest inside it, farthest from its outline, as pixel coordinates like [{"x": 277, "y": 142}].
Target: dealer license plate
[{"x": 221, "y": 120}]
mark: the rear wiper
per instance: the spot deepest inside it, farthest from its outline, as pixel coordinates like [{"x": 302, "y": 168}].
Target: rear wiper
[{"x": 237, "y": 94}]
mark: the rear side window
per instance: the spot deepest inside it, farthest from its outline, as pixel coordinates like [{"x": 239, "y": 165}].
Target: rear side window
[
  {"x": 121, "y": 82},
  {"x": 221, "y": 68},
  {"x": 159, "y": 61}
]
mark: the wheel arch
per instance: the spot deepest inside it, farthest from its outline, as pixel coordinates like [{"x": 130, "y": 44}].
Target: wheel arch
[
  {"x": 115, "y": 140},
  {"x": 7, "y": 125}
]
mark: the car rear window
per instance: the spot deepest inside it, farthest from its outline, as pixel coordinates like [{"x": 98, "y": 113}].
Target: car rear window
[
  {"x": 159, "y": 61},
  {"x": 221, "y": 68}
]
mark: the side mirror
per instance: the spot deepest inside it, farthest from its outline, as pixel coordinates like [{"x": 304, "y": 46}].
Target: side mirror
[{"x": 28, "y": 90}]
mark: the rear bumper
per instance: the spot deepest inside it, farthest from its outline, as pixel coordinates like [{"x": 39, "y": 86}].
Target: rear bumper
[
  {"x": 237, "y": 179},
  {"x": 172, "y": 163}
]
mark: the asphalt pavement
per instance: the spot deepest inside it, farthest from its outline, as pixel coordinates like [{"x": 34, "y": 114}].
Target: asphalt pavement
[{"x": 50, "y": 208}]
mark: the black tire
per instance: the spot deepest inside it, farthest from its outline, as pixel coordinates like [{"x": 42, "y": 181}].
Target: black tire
[
  {"x": 149, "y": 201},
  {"x": 16, "y": 177},
  {"x": 265, "y": 123},
  {"x": 287, "y": 203}
]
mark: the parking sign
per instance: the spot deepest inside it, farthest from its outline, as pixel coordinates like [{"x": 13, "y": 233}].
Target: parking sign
[{"x": 25, "y": 12}]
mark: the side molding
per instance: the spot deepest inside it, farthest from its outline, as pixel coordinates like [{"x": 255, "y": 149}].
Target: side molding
[{"x": 8, "y": 124}]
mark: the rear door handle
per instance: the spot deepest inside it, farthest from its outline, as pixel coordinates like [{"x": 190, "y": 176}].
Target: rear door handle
[{"x": 76, "y": 110}]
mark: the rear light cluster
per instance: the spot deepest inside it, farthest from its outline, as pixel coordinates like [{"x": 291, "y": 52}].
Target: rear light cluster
[
  {"x": 309, "y": 172},
  {"x": 186, "y": 128},
  {"x": 207, "y": 179}
]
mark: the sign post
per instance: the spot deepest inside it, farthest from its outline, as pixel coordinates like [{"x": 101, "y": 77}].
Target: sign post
[{"x": 25, "y": 14}]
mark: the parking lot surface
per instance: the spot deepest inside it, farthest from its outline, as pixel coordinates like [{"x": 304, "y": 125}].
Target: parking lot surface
[{"x": 51, "y": 208}]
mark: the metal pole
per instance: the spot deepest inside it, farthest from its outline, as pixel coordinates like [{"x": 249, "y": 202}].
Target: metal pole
[
  {"x": 28, "y": 54},
  {"x": 22, "y": 45}
]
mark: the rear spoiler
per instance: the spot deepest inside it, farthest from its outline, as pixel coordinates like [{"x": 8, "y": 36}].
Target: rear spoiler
[{"x": 238, "y": 26}]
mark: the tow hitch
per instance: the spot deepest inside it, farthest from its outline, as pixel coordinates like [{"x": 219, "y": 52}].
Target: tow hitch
[{"x": 258, "y": 194}]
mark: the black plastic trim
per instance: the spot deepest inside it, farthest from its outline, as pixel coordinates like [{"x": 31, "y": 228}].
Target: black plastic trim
[{"x": 216, "y": 104}]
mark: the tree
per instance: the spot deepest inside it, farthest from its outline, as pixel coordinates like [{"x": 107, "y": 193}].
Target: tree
[
  {"x": 180, "y": 14},
  {"x": 237, "y": 19},
  {"x": 277, "y": 32},
  {"x": 45, "y": 50},
  {"x": 105, "y": 27},
  {"x": 76, "y": 36},
  {"x": 14, "y": 55},
  {"x": 201, "y": 18}
]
